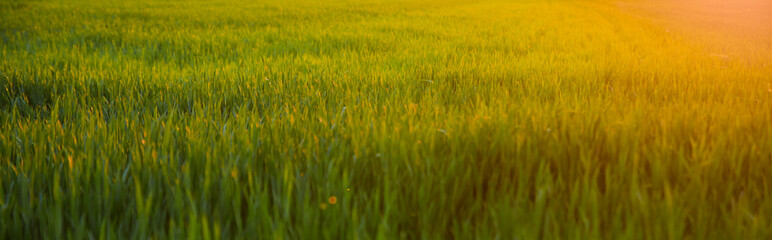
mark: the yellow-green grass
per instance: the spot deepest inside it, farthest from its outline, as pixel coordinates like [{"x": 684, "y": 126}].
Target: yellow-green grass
[{"x": 424, "y": 119}]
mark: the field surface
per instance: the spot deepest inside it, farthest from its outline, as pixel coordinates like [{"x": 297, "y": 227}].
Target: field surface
[{"x": 386, "y": 119}]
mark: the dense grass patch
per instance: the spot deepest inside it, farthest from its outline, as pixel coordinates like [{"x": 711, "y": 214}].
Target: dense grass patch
[{"x": 423, "y": 119}]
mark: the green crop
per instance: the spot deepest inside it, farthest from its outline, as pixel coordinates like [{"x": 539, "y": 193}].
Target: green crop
[{"x": 383, "y": 119}]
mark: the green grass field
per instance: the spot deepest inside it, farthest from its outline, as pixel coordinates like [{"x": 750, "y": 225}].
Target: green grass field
[{"x": 385, "y": 119}]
